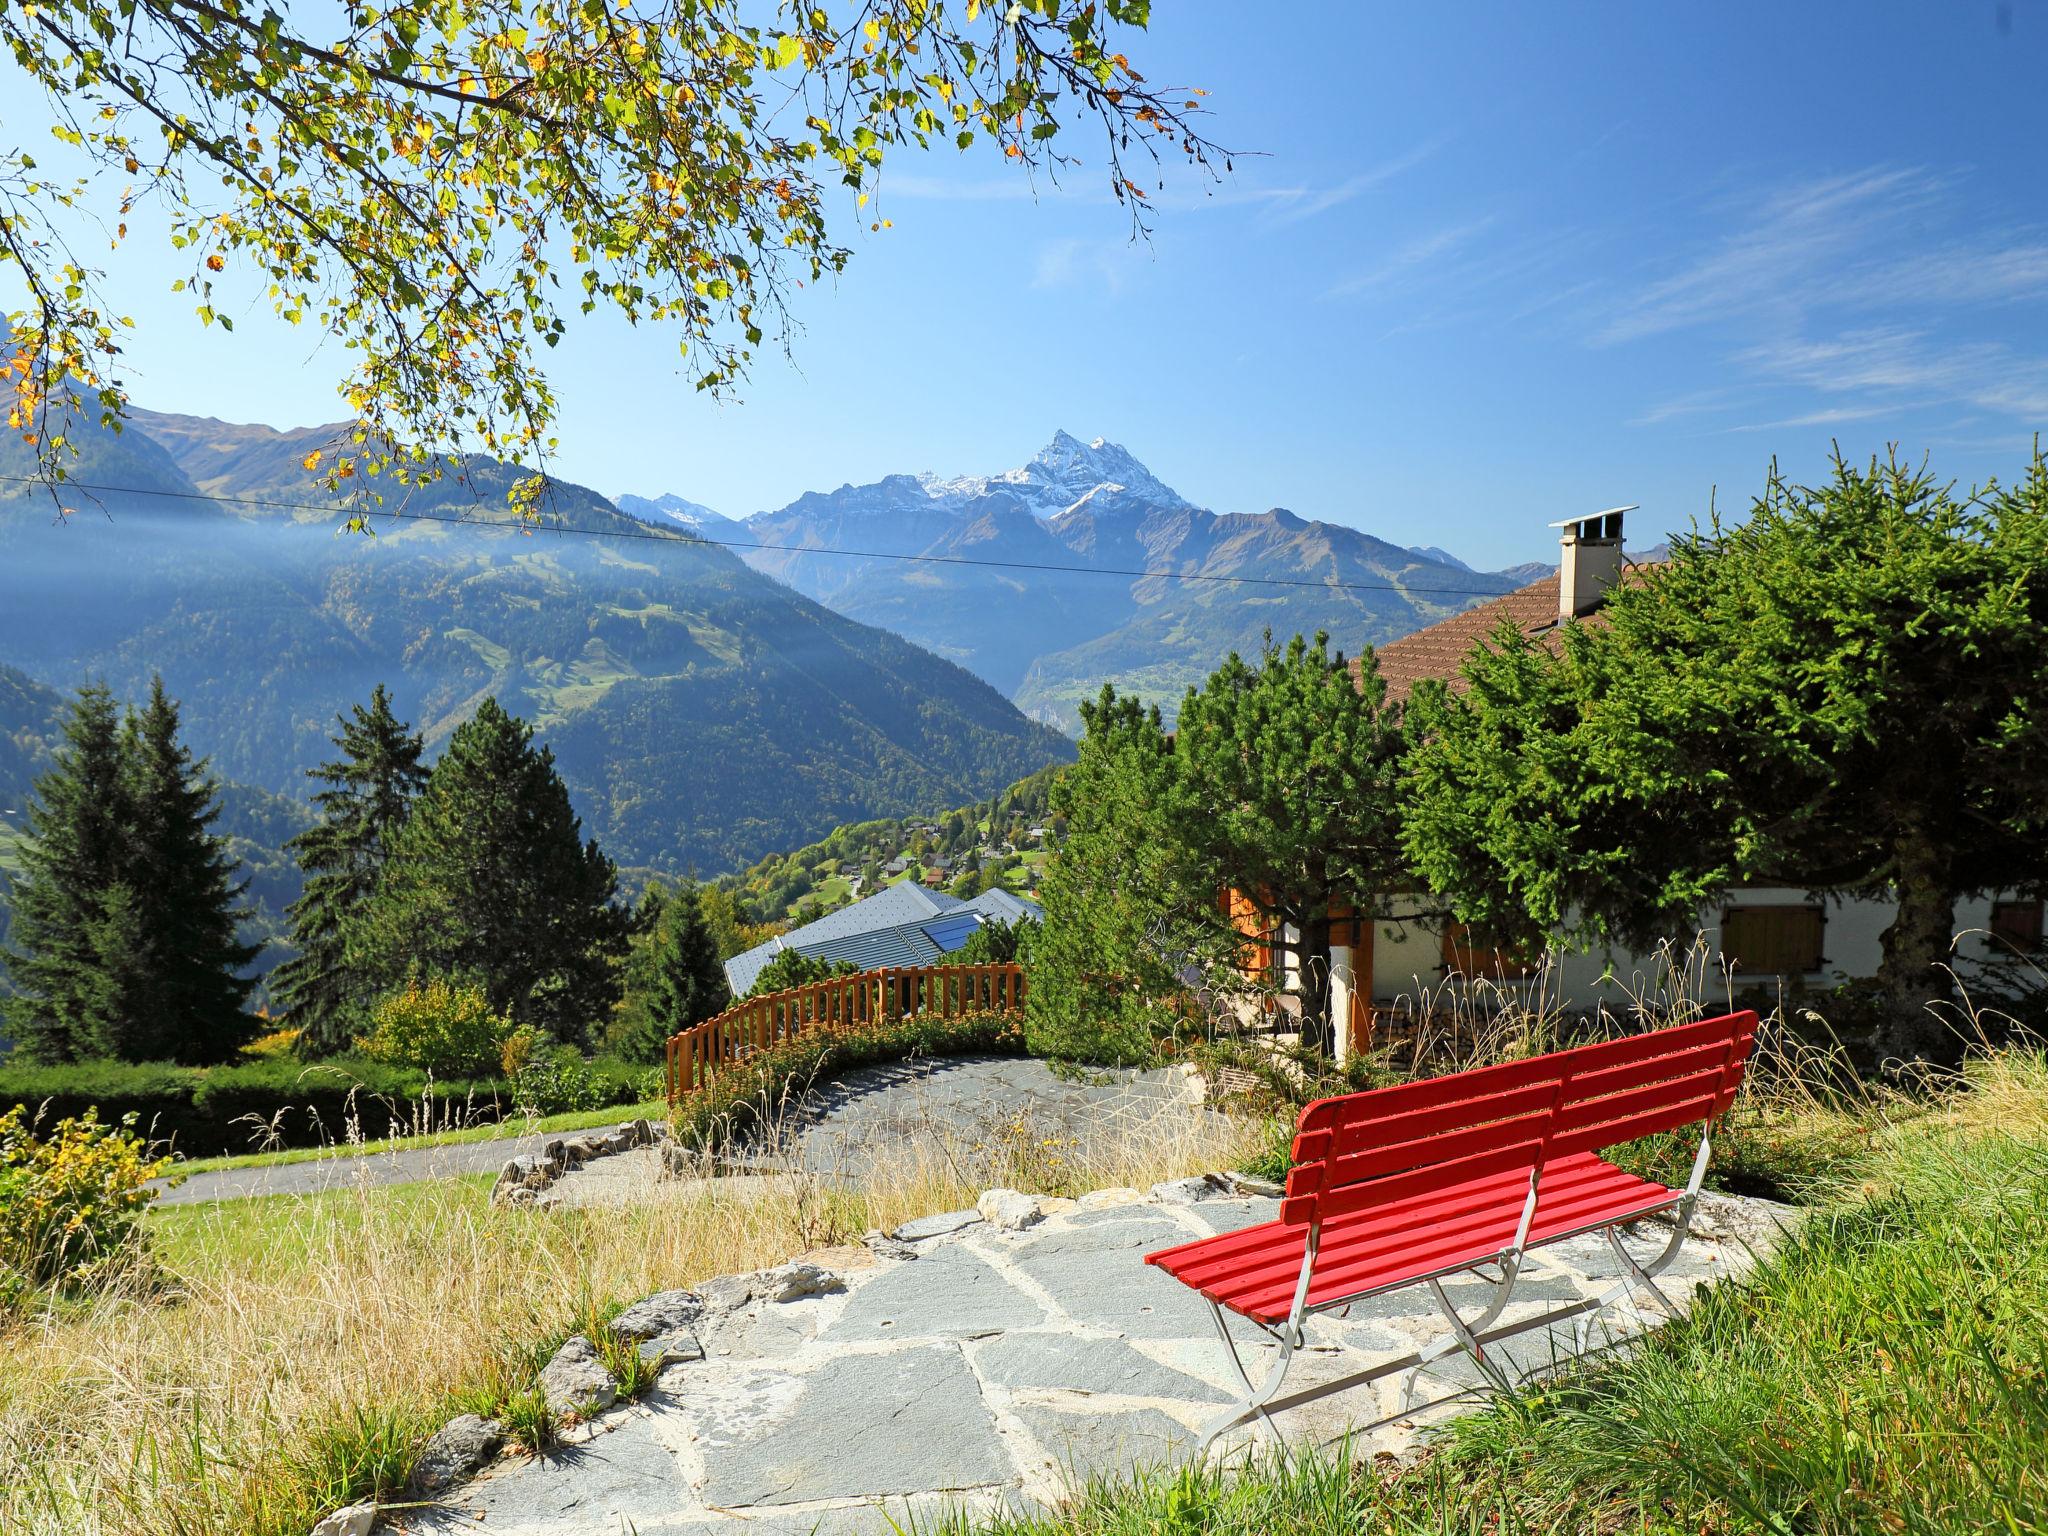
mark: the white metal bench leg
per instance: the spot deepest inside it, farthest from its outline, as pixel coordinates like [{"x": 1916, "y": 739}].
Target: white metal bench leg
[
  {"x": 1636, "y": 1277},
  {"x": 1256, "y": 1397},
  {"x": 1463, "y": 1335}
]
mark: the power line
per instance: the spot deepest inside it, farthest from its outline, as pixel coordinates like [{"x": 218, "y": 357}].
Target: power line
[{"x": 679, "y": 535}]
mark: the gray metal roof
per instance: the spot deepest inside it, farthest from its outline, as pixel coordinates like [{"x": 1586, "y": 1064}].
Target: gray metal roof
[{"x": 892, "y": 927}]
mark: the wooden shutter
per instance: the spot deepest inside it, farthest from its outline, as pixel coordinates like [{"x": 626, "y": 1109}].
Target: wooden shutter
[
  {"x": 1474, "y": 955},
  {"x": 1774, "y": 941},
  {"x": 2018, "y": 923}
]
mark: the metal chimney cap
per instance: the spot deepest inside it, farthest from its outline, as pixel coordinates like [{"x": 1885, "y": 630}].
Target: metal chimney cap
[{"x": 1590, "y": 517}]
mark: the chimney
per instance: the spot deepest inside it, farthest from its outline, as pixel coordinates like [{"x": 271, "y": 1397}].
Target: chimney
[{"x": 1591, "y": 561}]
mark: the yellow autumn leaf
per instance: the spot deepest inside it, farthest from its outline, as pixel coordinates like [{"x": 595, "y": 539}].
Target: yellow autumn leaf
[{"x": 311, "y": 461}]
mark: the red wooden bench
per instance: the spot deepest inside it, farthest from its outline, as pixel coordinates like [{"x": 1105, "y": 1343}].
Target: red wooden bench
[{"x": 1406, "y": 1185}]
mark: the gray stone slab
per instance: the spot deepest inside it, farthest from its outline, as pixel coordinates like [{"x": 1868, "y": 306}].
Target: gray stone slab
[
  {"x": 867, "y": 1426},
  {"x": 1234, "y": 1215},
  {"x": 949, "y": 1293},
  {"x": 935, "y": 1226},
  {"x": 1061, "y": 1361},
  {"x": 1101, "y": 1278},
  {"x": 619, "y": 1480},
  {"x": 761, "y": 1329},
  {"x": 1085, "y": 1445}
]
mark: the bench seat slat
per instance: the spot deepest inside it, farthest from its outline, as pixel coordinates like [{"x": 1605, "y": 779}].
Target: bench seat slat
[
  {"x": 1254, "y": 1271},
  {"x": 1479, "y": 1218}
]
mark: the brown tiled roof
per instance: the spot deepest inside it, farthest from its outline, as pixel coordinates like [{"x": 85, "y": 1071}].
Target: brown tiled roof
[{"x": 1439, "y": 650}]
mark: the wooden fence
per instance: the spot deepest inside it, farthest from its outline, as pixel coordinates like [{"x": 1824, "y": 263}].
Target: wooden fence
[{"x": 942, "y": 991}]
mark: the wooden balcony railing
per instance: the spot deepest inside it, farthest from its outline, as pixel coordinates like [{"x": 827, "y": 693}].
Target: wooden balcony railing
[{"x": 755, "y": 1024}]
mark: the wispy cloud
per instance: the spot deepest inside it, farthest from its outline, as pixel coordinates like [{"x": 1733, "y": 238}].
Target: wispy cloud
[
  {"x": 1849, "y": 243},
  {"x": 1410, "y": 257},
  {"x": 1076, "y": 262},
  {"x": 1866, "y": 291},
  {"x": 1774, "y": 255},
  {"x": 1305, "y": 202}
]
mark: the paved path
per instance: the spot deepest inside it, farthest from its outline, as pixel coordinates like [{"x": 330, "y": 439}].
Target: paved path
[
  {"x": 863, "y": 1122},
  {"x": 985, "y": 1370},
  {"x": 403, "y": 1165}
]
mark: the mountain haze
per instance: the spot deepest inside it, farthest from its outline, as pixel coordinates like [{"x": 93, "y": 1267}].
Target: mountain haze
[
  {"x": 1082, "y": 567},
  {"x": 701, "y": 713}
]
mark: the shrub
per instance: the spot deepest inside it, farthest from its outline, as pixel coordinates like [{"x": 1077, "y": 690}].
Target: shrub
[
  {"x": 560, "y": 1082},
  {"x": 275, "y": 1044},
  {"x": 438, "y": 1026},
  {"x": 791, "y": 969},
  {"x": 68, "y": 1199}
]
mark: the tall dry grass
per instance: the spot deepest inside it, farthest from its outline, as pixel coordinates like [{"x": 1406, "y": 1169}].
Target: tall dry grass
[{"x": 298, "y": 1348}]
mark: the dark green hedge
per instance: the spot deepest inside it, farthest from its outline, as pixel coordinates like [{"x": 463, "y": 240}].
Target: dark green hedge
[{"x": 203, "y": 1111}]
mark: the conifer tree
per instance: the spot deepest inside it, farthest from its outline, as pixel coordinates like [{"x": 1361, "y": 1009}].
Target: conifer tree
[
  {"x": 368, "y": 791},
  {"x": 126, "y": 915},
  {"x": 689, "y": 981},
  {"x": 490, "y": 877},
  {"x": 186, "y": 898},
  {"x": 75, "y": 851}
]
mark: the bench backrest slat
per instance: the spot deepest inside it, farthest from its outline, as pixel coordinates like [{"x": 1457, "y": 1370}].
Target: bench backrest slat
[{"x": 1360, "y": 1150}]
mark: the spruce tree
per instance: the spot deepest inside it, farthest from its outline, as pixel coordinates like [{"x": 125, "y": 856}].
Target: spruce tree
[
  {"x": 689, "y": 980},
  {"x": 368, "y": 792},
  {"x": 186, "y": 898},
  {"x": 126, "y": 913},
  {"x": 490, "y": 877},
  {"x": 76, "y": 850}
]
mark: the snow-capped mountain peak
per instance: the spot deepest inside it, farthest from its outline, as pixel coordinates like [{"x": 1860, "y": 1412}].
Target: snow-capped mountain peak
[{"x": 1062, "y": 473}]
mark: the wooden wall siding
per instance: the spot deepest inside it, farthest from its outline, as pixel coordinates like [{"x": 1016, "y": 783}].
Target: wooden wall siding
[{"x": 899, "y": 992}]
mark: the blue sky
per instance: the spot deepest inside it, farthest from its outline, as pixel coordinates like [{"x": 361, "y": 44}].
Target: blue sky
[{"x": 1494, "y": 265}]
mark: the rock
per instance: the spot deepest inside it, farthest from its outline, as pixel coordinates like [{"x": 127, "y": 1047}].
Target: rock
[
  {"x": 458, "y": 1451},
  {"x": 727, "y": 1293},
  {"x": 883, "y": 1246},
  {"x": 1204, "y": 1186},
  {"x": 1102, "y": 1199},
  {"x": 676, "y": 1348},
  {"x": 663, "y": 1312},
  {"x": 576, "y": 1381},
  {"x": 356, "y": 1520},
  {"x": 517, "y": 1194},
  {"x": 1745, "y": 1219},
  {"x": 546, "y": 1200},
  {"x": 935, "y": 1226},
  {"x": 554, "y": 1154},
  {"x": 793, "y": 1282},
  {"x": 1010, "y": 1210},
  {"x": 1252, "y": 1184},
  {"x": 580, "y": 1151},
  {"x": 635, "y": 1133}
]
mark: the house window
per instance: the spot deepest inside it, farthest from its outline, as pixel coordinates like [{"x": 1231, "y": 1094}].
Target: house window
[
  {"x": 2018, "y": 923},
  {"x": 1774, "y": 941},
  {"x": 1474, "y": 955}
]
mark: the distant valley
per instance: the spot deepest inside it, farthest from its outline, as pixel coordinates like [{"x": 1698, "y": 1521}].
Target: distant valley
[
  {"x": 1050, "y": 638},
  {"x": 702, "y": 714}
]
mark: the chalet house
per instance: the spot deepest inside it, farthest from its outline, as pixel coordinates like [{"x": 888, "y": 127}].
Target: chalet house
[
  {"x": 898, "y": 925},
  {"x": 1770, "y": 935}
]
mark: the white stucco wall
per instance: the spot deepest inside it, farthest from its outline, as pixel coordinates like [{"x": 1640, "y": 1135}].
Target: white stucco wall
[{"x": 1407, "y": 955}]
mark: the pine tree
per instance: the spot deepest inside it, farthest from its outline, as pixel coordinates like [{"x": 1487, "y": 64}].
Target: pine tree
[
  {"x": 186, "y": 898},
  {"x": 76, "y": 849},
  {"x": 490, "y": 878},
  {"x": 369, "y": 790}
]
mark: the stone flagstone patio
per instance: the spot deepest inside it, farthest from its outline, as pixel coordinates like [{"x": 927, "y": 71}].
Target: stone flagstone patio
[{"x": 964, "y": 1366}]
